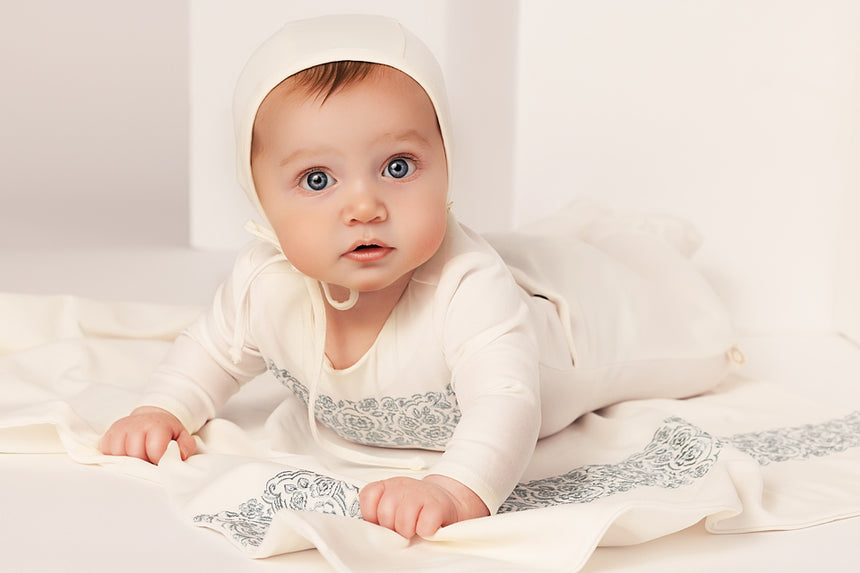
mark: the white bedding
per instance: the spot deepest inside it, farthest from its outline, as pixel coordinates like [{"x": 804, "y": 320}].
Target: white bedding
[{"x": 78, "y": 364}]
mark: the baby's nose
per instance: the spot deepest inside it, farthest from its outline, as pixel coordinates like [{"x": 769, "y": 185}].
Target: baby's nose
[{"x": 364, "y": 204}]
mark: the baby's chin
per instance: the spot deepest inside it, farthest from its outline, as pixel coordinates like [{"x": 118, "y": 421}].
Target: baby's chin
[{"x": 371, "y": 286}]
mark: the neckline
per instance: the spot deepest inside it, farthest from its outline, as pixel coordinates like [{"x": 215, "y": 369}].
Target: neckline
[{"x": 365, "y": 357}]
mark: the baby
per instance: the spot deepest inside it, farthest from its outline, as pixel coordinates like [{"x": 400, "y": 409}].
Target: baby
[{"x": 394, "y": 324}]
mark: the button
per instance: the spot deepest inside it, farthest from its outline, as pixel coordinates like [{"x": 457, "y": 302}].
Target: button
[{"x": 736, "y": 355}]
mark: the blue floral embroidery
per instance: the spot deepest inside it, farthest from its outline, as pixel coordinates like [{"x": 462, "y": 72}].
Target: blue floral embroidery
[
  {"x": 680, "y": 453},
  {"x": 800, "y": 442},
  {"x": 420, "y": 421},
  {"x": 677, "y": 454},
  {"x": 297, "y": 490}
]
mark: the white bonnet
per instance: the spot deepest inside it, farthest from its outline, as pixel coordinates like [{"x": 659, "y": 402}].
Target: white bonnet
[{"x": 306, "y": 43}]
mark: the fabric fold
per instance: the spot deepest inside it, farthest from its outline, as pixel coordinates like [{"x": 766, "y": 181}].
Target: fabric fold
[{"x": 745, "y": 457}]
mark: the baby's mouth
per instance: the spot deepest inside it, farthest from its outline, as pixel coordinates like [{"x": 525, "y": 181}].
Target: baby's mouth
[{"x": 368, "y": 252}]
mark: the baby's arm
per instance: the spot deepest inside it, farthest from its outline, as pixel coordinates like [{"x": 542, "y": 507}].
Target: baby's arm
[
  {"x": 419, "y": 507},
  {"x": 145, "y": 434},
  {"x": 194, "y": 380},
  {"x": 492, "y": 354},
  {"x": 185, "y": 391},
  {"x": 489, "y": 450}
]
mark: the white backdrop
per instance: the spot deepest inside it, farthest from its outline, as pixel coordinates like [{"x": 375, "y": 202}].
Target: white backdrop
[
  {"x": 93, "y": 123},
  {"x": 739, "y": 115}
]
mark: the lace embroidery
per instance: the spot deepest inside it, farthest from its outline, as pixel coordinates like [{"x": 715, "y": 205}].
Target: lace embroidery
[
  {"x": 420, "y": 421},
  {"x": 297, "y": 490},
  {"x": 678, "y": 453},
  {"x": 800, "y": 442}
]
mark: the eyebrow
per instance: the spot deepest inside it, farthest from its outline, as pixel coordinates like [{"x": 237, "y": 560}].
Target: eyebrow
[
  {"x": 407, "y": 135},
  {"x": 302, "y": 152},
  {"x": 398, "y": 137}
]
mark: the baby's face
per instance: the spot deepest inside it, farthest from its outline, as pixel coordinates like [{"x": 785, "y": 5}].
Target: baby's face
[{"x": 355, "y": 186}]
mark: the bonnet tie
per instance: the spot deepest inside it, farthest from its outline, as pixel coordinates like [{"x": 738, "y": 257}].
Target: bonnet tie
[
  {"x": 240, "y": 331},
  {"x": 347, "y": 454}
]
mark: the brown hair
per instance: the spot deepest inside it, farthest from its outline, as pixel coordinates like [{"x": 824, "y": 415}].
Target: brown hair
[
  {"x": 321, "y": 81},
  {"x": 325, "y": 79}
]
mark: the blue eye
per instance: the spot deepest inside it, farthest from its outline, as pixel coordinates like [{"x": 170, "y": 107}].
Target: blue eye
[
  {"x": 316, "y": 181},
  {"x": 399, "y": 168}
]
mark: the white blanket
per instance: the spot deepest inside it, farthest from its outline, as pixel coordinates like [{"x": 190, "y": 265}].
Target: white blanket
[{"x": 747, "y": 457}]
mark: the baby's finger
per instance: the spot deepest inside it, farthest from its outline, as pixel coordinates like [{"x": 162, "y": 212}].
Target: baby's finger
[
  {"x": 187, "y": 445},
  {"x": 389, "y": 502},
  {"x": 156, "y": 443},
  {"x": 406, "y": 517},
  {"x": 368, "y": 501},
  {"x": 135, "y": 445},
  {"x": 429, "y": 520},
  {"x": 112, "y": 443}
]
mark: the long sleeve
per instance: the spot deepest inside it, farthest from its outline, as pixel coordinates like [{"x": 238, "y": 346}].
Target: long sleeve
[
  {"x": 198, "y": 375},
  {"x": 495, "y": 373}
]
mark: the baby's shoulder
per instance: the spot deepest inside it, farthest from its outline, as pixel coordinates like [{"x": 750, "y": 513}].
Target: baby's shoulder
[
  {"x": 463, "y": 253},
  {"x": 467, "y": 272}
]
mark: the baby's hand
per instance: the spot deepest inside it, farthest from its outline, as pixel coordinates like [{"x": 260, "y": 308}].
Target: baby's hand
[
  {"x": 419, "y": 507},
  {"x": 145, "y": 434}
]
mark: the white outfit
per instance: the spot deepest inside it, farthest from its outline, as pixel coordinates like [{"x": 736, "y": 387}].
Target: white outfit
[
  {"x": 469, "y": 361},
  {"x": 454, "y": 368}
]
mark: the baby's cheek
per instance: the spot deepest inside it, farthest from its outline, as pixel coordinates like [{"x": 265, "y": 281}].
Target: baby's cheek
[{"x": 433, "y": 232}]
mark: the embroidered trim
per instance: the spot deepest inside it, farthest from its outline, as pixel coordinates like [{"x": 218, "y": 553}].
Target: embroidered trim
[
  {"x": 298, "y": 490},
  {"x": 800, "y": 442},
  {"x": 678, "y": 454},
  {"x": 420, "y": 421}
]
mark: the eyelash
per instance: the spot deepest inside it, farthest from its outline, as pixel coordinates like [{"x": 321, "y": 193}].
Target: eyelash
[
  {"x": 300, "y": 180},
  {"x": 406, "y": 156}
]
